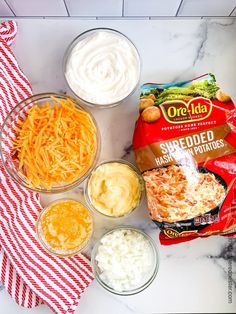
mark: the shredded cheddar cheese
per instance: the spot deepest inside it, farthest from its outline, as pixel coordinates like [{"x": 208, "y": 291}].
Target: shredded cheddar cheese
[{"x": 56, "y": 143}]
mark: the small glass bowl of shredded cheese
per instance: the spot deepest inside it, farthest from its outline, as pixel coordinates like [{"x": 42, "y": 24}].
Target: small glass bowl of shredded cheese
[
  {"x": 49, "y": 143},
  {"x": 64, "y": 227},
  {"x": 125, "y": 261}
]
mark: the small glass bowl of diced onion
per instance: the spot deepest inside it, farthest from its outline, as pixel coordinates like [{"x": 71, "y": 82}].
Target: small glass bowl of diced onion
[{"x": 125, "y": 260}]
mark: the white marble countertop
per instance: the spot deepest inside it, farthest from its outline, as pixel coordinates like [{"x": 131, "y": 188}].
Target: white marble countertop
[{"x": 193, "y": 276}]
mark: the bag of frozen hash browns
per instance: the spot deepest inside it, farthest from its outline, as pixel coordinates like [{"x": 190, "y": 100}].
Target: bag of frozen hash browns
[{"x": 185, "y": 147}]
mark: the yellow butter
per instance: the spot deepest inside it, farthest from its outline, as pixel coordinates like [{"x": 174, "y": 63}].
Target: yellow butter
[{"x": 114, "y": 189}]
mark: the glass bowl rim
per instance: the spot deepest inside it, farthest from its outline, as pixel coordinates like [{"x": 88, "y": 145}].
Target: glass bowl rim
[
  {"x": 120, "y": 161},
  {"x": 152, "y": 276},
  {"x": 57, "y": 189},
  {"x": 71, "y": 47},
  {"x": 39, "y": 237}
]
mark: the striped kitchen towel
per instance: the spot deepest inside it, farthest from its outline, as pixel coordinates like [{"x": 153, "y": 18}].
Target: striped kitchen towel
[{"x": 30, "y": 275}]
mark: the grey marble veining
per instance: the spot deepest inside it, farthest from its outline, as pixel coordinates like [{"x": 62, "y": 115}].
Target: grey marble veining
[
  {"x": 202, "y": 34},
  {"x": 225, "y": 258}
]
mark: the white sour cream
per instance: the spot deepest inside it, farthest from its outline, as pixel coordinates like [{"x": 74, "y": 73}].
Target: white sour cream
[{"x": 103, "y": 68}]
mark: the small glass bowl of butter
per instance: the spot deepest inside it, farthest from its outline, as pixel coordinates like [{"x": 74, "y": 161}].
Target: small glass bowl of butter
[
  {"x": 64, "y": 227},
  {"x": 114, "y": 188}
]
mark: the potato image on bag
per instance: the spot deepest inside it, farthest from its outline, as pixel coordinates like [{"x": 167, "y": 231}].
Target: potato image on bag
[
  {"x": 145, "y": 103},
  {"x": 222, "y": 96},
  {"x": 150, "y": 96},
  {"x": 151, "y": 114}
]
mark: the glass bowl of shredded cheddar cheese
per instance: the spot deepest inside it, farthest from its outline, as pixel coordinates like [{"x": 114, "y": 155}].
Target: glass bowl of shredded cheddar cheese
[{"x": 49, "y": 143}]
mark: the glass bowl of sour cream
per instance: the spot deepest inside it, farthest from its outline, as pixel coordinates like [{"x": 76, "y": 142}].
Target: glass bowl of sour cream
[
  {"x": 125, "y": 260},
  {"x": 102, "y": 67}
]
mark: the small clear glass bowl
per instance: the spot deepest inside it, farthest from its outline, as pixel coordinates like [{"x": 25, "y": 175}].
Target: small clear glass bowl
[
  {"x": 46, "y": 246},
  {"x": 88, "y": 197},
  {"x": 7, "y": 135},
  {"x": 155, "y": 264},
  {"x": 85, "y": 35}
]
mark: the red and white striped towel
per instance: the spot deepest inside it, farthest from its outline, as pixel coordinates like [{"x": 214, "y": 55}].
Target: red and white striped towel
[{"x": 30, "y": 275}]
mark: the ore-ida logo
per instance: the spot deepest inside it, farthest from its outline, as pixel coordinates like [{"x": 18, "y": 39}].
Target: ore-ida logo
[
  {"x": 178, "y": 111},
  {"x": 171, "y": 233}
]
